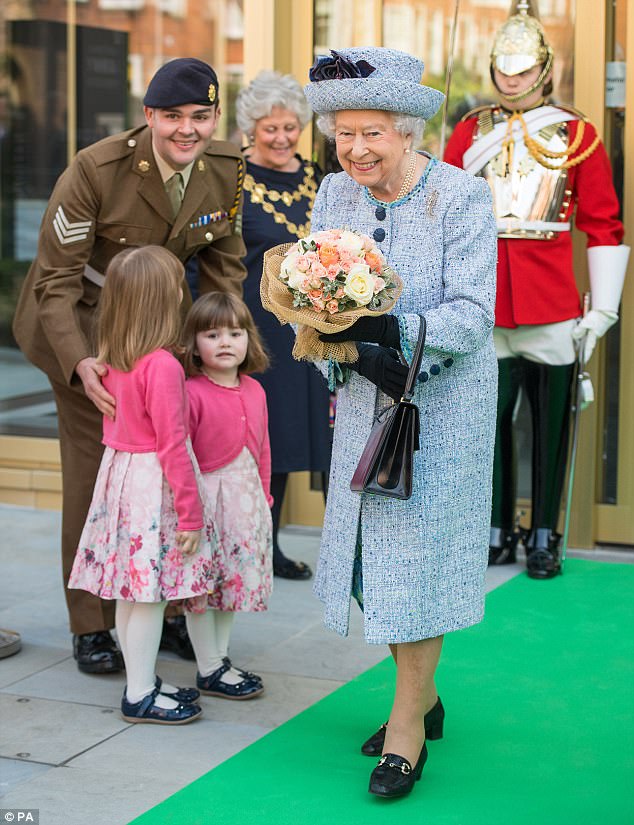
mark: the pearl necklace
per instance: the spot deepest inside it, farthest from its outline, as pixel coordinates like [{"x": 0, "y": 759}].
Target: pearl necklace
[
  {"x": 409, "y": 177},
  {"x": 407, "y": 180}
]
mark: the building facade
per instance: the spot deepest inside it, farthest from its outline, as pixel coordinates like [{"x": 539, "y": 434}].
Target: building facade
[{"x": 74, "y": 71}]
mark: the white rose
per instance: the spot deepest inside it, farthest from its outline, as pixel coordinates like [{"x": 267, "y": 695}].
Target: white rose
[
  {"x": 359, "y": 284},
  {"x": 290, "y": 273},
  {"x": 351, "y": 241}
]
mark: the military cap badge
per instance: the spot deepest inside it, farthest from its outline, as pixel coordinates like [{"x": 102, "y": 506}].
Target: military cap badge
[{"x": 212, "y": 93}]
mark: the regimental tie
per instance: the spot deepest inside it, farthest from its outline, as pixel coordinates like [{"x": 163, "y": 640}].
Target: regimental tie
[{"x": 175, "y": 191}]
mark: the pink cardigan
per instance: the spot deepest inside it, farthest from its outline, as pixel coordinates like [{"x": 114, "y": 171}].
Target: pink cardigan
[
  {"x": 152, "y": 416},
  {"x": 224, "y": 420}
]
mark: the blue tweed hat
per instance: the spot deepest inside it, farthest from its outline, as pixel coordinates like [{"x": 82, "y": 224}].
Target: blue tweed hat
[
  {"x": 182, "y": 81},
  {"x": 371, "y": 78}
]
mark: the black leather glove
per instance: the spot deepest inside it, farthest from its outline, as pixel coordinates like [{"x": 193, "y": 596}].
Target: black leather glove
[
  {"x": 376, "y": 329},
  {"x": 382, "y": 367}
]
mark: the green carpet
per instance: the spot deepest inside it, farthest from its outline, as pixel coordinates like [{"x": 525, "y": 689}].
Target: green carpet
[{"x": 539, "y": 728}]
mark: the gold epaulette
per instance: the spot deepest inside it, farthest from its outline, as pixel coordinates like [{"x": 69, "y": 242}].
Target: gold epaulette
[{"x": 488, "y": 107}]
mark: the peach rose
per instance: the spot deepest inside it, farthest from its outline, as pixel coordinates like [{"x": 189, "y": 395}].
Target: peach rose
[
  {"x": 373, "y": 260},
  {"x": 328, "y": 254}
]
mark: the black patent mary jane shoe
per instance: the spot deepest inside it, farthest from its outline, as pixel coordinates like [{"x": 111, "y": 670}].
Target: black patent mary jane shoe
[
  {"x": 184, "y": 695},
  {"x": 146, "y": 711},
  {"x": 246, "y": 674},
  {"x": 175, "y": 638},
  {"x": 97, "y": 653},
  {"x": 213, "y": 685},
  {"x": 434, "y": 724},
  {"x": 394, "y": 775}
]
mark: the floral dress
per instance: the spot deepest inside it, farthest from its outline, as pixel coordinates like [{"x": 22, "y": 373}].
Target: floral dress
[
  {"x": 128, "y": 548},
  {"x": 242, "y": 574}
]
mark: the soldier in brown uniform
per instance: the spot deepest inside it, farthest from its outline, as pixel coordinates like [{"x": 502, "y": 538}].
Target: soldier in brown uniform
[{"x": 165, "y": 183}]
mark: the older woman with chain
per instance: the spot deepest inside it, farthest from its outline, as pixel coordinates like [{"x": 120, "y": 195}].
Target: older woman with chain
[{"x": 279, "y": 190}]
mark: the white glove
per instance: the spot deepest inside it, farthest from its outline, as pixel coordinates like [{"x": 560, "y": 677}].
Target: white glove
[
  {"x": 606, "y": 268},
  {"x": 592, "y": 327}
]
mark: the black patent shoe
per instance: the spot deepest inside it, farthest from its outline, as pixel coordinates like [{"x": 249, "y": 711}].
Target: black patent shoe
[
  {"x": 542, "y": 554},
  {"x": 394, "y": 775},
  {"x": 434, "y": 723},
  {"x": 176, "y": 638},
  {"x": 97, "y": 653},
  {"x": 184, "y": 695},
  {"x": 146, "y": 711},
  {"x": 213, "y": 685},
  {"x": 503, "y": 546},
  {"x": 246, "y": 674},
  {"x": 285, "y": 568},
  {"x": 543, "y": 564}
]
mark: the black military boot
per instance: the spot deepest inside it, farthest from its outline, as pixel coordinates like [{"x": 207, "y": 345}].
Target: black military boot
[
  {"x": 548, "y": 389},
  {"x": 97, "y": 653},
  {"x": 503, "y": 545},
  {"x": 504, "y": 538},
  {"x": 542, "y": 554}
]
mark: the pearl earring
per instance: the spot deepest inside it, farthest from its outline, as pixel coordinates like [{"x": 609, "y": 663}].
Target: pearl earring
[{"x": 251, "y": 139}]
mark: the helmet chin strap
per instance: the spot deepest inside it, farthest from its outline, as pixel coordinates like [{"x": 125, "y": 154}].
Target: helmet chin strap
[{"x": 536, "y": 85}]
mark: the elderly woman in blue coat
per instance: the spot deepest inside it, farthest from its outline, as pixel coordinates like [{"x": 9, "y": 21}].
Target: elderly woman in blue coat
[{"x": 416, "y": 567}]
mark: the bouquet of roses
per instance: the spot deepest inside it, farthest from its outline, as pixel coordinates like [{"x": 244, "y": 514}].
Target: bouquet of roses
[{"x": 324, "y": 283}]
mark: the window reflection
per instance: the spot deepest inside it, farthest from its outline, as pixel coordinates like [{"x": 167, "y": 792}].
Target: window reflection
[
  {"x": 423, "y": 27},
  {"x": 119, "y": 45}
]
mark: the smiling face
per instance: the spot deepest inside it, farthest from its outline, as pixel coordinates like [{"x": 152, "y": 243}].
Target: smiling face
[
  {"x": 221, "y": 351},
  {"x": 516, "y": 84},
  {"x": 275, "y": 140},
  {"x": 371, "y": 151},
  {"x": 181, "y": 134}
]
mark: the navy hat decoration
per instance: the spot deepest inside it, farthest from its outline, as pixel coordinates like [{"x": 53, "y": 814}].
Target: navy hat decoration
[
  {"x": 182, "y": 81},
  {"x": 371, "y": 78}
]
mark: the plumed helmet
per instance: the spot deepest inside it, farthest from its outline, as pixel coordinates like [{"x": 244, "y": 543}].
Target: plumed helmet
[{"x": 520, "y": 43}]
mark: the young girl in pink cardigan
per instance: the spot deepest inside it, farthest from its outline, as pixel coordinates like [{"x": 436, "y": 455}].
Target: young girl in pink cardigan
[
  {"x": 142, "y": 543},
  {"x": 229, "y": 427}
]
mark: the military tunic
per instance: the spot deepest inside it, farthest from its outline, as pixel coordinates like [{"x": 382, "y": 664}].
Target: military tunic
[
  {"x": 535, "y": 278},
  {"x": 110, "y": 198}
]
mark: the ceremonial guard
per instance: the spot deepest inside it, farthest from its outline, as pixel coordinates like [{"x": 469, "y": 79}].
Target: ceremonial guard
[
  {"x": 165, "y": 183},
  {"x": 544, "y": 163}
]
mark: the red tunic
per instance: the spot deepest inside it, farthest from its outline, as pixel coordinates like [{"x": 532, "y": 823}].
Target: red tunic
[{"x": 535, "y": 279}]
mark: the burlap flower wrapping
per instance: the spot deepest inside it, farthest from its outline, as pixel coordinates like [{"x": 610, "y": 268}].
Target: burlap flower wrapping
[{"x": 277, "y": 298}]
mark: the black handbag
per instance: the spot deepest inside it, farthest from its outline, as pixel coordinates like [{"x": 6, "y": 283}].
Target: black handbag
[{"x": 386, "y": 466}]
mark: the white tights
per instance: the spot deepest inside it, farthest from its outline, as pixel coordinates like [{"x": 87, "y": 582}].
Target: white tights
[
  {"x": 139, "y": 626},
  {"x": 209, "y": 633}
]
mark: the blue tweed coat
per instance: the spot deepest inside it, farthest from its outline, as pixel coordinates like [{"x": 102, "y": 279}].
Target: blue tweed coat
[{"x": 424, "y": 559}]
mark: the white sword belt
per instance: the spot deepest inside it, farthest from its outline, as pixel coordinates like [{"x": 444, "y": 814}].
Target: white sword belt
[
  {"x": 93, "y": 276},
  {"x": 531, "y": 230}
]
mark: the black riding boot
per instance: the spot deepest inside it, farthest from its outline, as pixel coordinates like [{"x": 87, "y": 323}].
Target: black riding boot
[
  {"x": 503, "y": 539},
  {"x": 549, "y": 391}
]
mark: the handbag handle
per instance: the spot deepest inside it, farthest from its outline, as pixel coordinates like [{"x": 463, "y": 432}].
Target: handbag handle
[{"x": 416, "y": 361}]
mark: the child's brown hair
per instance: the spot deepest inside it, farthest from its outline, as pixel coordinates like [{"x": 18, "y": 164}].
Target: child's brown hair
[
  {"x": 139, "y": 309},
  {"x": 222, "y": 309}
]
